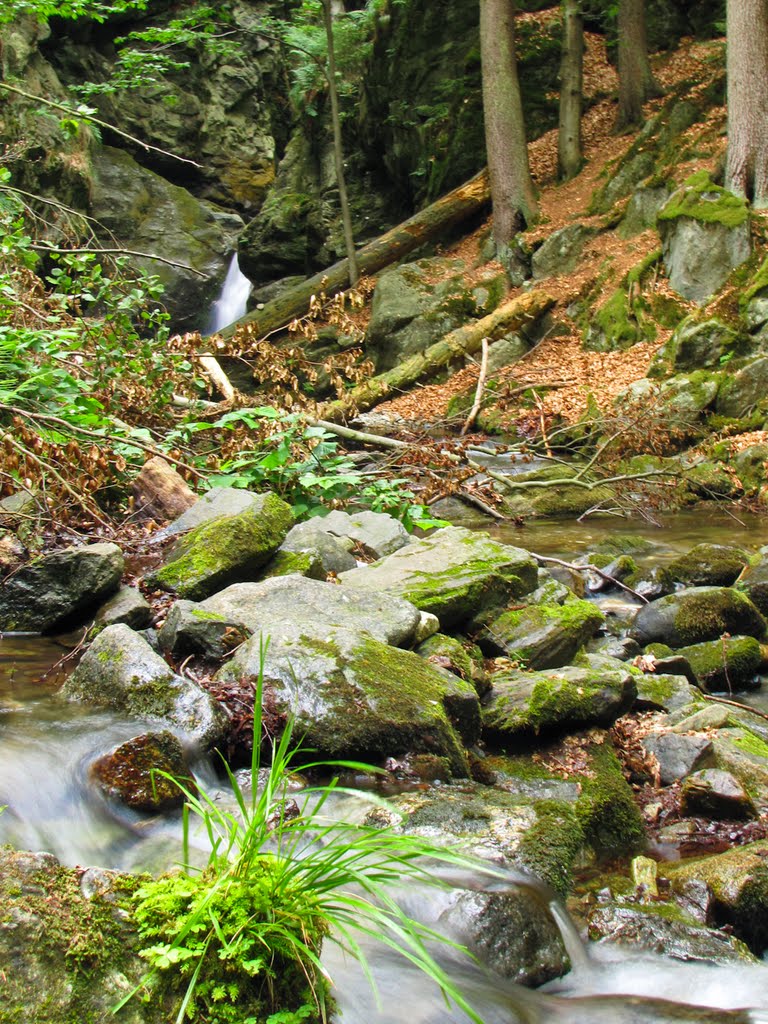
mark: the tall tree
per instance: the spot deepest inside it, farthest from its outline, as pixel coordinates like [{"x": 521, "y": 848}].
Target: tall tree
[
  {"x": 512, "y": 191},
  {"x": 746, "y": 171},
  {"x": 569, "y": 150},
  {"x": 636, "y": 81}
]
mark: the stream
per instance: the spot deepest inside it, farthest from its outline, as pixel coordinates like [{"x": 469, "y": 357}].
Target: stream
[{"x": 48, "y": 744}]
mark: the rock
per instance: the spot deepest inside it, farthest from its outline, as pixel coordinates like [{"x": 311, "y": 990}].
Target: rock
[
  {"x": 697, "y": 614},
  {"x": 160, "y": 492},
  {"x": 449, "y": 654},
  {"x": 663, "y": 928},
  {"x": 715, "y": 793},
  {"x": 512, "y": 933},
  {"x": 665, "y": 692},
  {"x": 376, "y": 533},
  {"x": 679, "y": 755},
  {"x": 269, "y": 609},
  {"x": 137, "y": 773},
  {"x": 351, "y": 695},
  {"x": 128, "y": 606},
  {"x": 731, "y": 663},
  {"x": 226, "y": 550},
  {"x": 334, "y": 553},
  {"x": 678, "y": 402},
  {"x": 217, "y": 503},
  {"x": 754, "y": 583},
  {"x": 139, "y": 208},
  {"x": 60, "y": 588},
  {"x": 594, "y": 693},
  {"x": 705, "y": 232},
  {"x": 642, "y": 210},
  {"x": 453, "y": 573},
  {"x": 623, "y": 180},
  {"x": 744, "y": 391},
  {"x": 561, "y": 501},
  {"x": 12, "y": 553},
  {"x": 191, "y": 629},
  {"x": 709, "y": 565},
  {"x": 121, "y": 671},
  {"x": 23, "y": 513},
  {"x": 560, "y": 253},
  {"x": 542, "y": 635},
  {"x": 295, "y": 563},
  {"x": 697, "y": 343}
]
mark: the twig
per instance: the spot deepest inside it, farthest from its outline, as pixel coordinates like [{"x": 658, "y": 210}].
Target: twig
[
  {"x": 119, "y": 252},
  {"x": 590, "y": 568},
  {"x": 212, "y": 368},
  {"x": 542, "y": 422},
  {"x": 472, "y": 499},
  {"x": 478, "y": 390},
  {"x": 378, "y": 440},
  {"x": 733, "y": 704}
]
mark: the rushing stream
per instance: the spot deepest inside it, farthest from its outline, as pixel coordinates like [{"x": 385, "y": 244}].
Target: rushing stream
[{"x": 47, "y": 745}]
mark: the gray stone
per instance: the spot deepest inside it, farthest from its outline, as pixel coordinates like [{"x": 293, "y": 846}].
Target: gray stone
[
  {"x": 506, "y": 350},
  {"x": 696, "y": 344},
  {"x": 121, "y": 671},
  {"x": 191, "y": 629},
  {"x": 754, "y": 583},
  {"x": 709, "y": 565},
  {"x": 560, "y": 253},
  {"x": 697, "y": 614},
  {"x": 453, "y": 573},
  {"x": 642, "y": 209},
  {"x": 716, "y": 794},
  {"x": 214, "y": 504},
  {"x": 59, "y": 587},
  {"x": 623, "y": 180},
  {"x": 679, "y": 755},
  {"x": 542, "y": 636},
  {"x": 745, "y": 390},
  {"x": 128, "y": 605},
  {"x": 531, "y": 702},
  {"x": 666, "y": 692},
  {"x": 377, "y": 533},
  {"x": 333, "y": 552},
  {"x": 678, "y": 401}
]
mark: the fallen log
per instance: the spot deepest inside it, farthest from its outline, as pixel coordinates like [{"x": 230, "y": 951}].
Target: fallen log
[
  {"x": 424, "y": 226},
  {"x": 463, "y": 341}
]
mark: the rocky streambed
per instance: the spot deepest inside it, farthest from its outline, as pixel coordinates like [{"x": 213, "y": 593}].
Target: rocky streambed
[{"x": 553, "y": 720}]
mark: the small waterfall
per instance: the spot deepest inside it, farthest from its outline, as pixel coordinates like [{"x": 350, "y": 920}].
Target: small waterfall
[{"x": 232, "y": 302}]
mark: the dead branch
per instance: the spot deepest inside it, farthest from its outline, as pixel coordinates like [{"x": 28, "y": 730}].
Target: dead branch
[
  {"x": 478, "y": 390},
  {"x": 590, "y": 568}
]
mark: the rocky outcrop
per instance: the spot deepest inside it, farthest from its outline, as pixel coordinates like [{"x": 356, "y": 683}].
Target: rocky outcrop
[{"x": 697, "y": 614}]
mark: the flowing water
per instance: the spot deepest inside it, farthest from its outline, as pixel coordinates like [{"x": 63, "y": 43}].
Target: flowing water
[
  {"x": 233, "y": 301},
  {"x": 47, "y": 745}
]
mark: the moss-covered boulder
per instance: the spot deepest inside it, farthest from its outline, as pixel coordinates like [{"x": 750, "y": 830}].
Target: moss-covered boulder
[
  {"x": 121, "y": 671},
  {"x": 594, "y": 692},
  {"x": 729, "y": 663},
  {"x": 140, "y": 773},
  {"x": 672, "y": 408},
  {"x": 547, "y": 493},
  {"x": 543, "y": 636},
  {"x": 705, "y": 231},
  {"x": 754, "y": 582},
  {"x": 454, "y": 573},
  {"x": 744, "y": 391},
  {"x": 560, "y": 253},
  {"x": 351, "y": 695},
  {"x": 696, "y": 344},
  {"x": 60, "y": 589},
  {"x": 226, "y": 550},
  {"x": 697, "y": 614},
  {"x": 709, "y": 565},
  {"x": 666, "y": 692},
  {"x": 449, "y": 653}
]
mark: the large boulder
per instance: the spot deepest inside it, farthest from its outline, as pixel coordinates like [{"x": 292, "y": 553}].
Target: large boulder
[
  {"x": 705, "y": 231},
  {"x": 731, "y": 663},
  {"x": 121, "y": 671},
  {"x": 560, "y": 253},
  {"x": 527, "y": 703},
  {"x": 543, "y": 636},
  {"x": 453, "y": 573},
  {"x": 697, "y": 614},
  {"x": 696, "y": 343},
  {"x": 225, "y": 550},
  {"x": 709, "y": 565},
  {"x": 745, "y": 390},
  {"x": 56, "y": 589},
  {"x": 214, "y": 504},
  {"x": 148, "y": 214}
]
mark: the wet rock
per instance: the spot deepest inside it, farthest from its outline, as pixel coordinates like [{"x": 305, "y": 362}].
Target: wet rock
[
  {"x": 715, "y": 793},
  {"x": 121, "y": 671},
  {"x": 217, "y": 503},
  {"x": 59, "y": 588},
  {"x": 453, "y": 573},
  {"x": 127, "y": 605},
  {"x": 191, "y": 629},
  {"x": 697, "y": 614},
  {"x": 510, "y": 932},
  {"x": 654, "y": 583},
  {"x": 709, "y": 565},
  {"x": 664, "y": 692},
  {"x": 679, "y": 755},
  {"x": 542, "y": 636},
  {"x": 159, "y": 491},
  {"x": 754, "y": 583},
  {"x": 137, "y": 773},
  {"x": 731, "y": 663},
  {"x": 594, "y": 692},
  {"x": 225, "y": 550},
  {"x": 620, "y": 648}
]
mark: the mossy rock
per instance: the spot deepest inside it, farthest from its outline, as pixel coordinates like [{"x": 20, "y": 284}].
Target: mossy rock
[
  {"x": 754, "y": 583},
  {"x": 700, "y": 199},
  {"x": 732, "y": 662},
  {"x": 696, "y": 344},
  {"x": 448, "y": 653},
  {"x": 226, "y": 550},
  {"x": 609, "y": 817},
  {"x": 543, "y": 636},
  {"x": 744, "y": 391},
  {"x": 698, "y": 614},
  {"x": 555, "y": 500},
  {"x": 714, "y": 565}
]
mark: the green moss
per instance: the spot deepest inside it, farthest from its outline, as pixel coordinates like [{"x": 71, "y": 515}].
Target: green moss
[
  {"x": 750, "y": 743},
  {"x": 757, "y": 284},
  {"x": 610, "y": 819},
  {"x": 725, "y": 663},
  {"x": 702, "y": 200},
  {"x": 550, "y": 846},
  {"x": 711, "y": 614}
]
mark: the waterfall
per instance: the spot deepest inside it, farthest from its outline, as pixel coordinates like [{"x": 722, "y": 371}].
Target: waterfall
[{"x": 232, "y": 302}]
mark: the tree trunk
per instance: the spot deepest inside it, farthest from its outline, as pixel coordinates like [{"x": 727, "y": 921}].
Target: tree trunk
[
  {"x": 463, "y": 341},
  {"x": 457, "y": 206},
  {"x": 569, "y": 151},
  {"x": 747, "y": 161},
  {"x": 636, "y": 81},
  {"x": 338, "y": 151},
  {"x": 512, "y": 192}
]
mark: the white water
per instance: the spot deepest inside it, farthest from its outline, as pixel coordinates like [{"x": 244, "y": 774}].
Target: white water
[{"x": 233, "y": 301}]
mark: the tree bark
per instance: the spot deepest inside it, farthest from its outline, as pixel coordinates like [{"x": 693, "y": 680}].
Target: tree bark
[
  {"x": 338, "y": 150},
  {"x": 747, "y": 160},
  {"x": 461, "y": 342},
  {"x": 457, "y": 206},
  {"x": 636, "y": 81},
  {"x": 512, "y": 192},
  {"x": 569, "y": 150}
]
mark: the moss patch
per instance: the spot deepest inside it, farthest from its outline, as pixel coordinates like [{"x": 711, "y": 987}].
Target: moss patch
[{"x": 700, "y": 199}]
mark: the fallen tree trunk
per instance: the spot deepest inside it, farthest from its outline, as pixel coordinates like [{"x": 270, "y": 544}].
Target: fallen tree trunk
[
  {"x": 424, "y": 226},
  {"x": 463, "y": 341}
]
